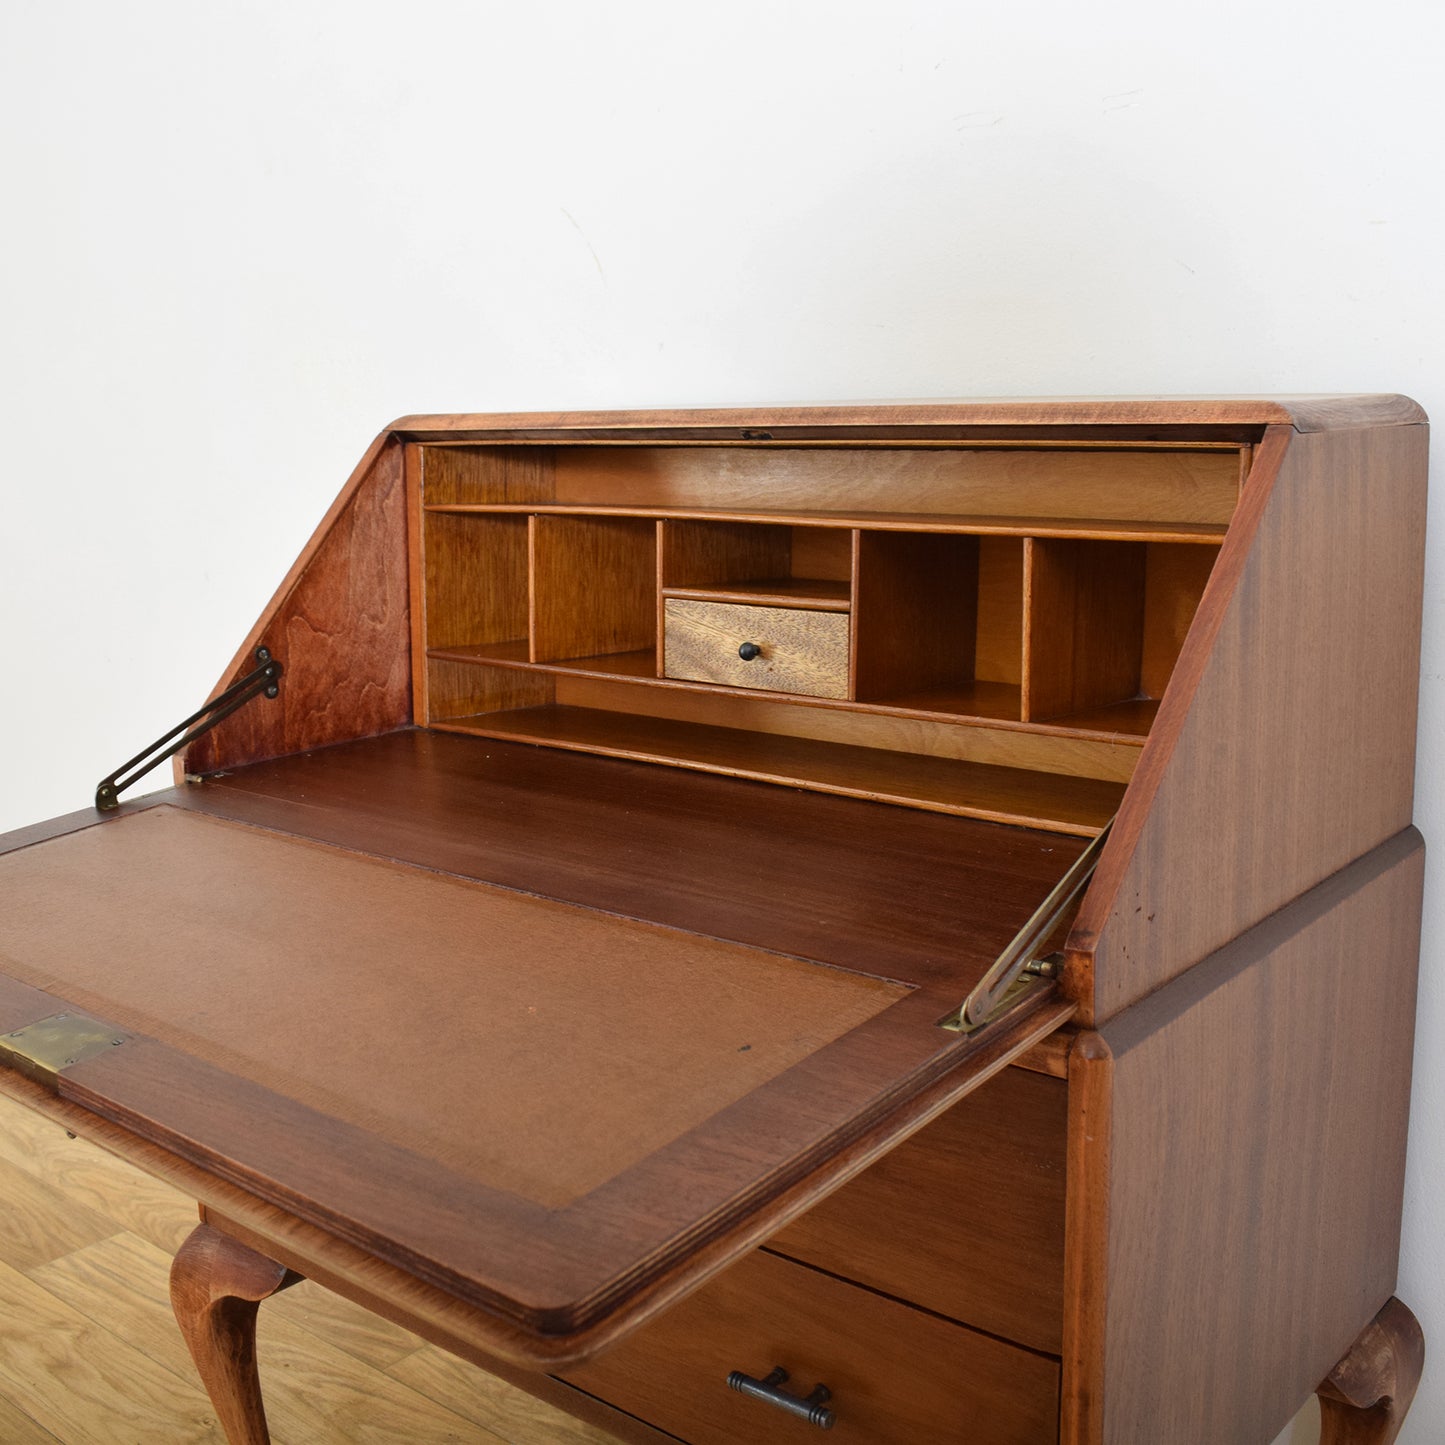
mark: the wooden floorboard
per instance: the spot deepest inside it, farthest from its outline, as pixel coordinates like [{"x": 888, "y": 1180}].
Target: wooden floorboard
[{"x": 90, "y": 1355}]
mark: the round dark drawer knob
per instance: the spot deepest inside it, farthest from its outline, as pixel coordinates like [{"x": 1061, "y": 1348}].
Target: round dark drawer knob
[{"x": 749, "y": 650}]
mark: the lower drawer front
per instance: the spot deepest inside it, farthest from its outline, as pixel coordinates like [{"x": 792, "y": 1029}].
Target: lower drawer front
[
  {"x": 966, "y": 1218},
  {"x": 895, "y": 1374}
]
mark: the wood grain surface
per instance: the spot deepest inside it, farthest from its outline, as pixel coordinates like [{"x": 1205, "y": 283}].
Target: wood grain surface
[
  {"x": 868, "y": 1350},
  {"x": 933, "y": 898},
  {"x": 339, "y": 624},
  {"x": 1074, "y": 805},
  {"x": 974, "y": 1211},
  {"x": 1259, "y": 1115},
  {"x": 1235, "y": 415},
  {"x": 475, "y": 1029},
  {"x": 800, "y": 650},
  {"x": 916, "y": 618},
  {"x": 1191, "y": 486},
  {"x": 1308, "y": 648},
  {"x": 474, "y": 572},
  {"x": 563, "y": 1270},
  {"x": 593, "y": 586},
  {"x": 1083, "y": 625},
  {"x": 487, "y": 474}
]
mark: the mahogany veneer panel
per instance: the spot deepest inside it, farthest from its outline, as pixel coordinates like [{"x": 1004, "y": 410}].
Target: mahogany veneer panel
[
  {"x": 476, "y": 580},
  {"x": 1258, "y": 1160},
  {"x": 933, "y": 898},
  {"x": 916, "y": 616},
  {"x": 1084, "y": 625},
  {"x": 1309, "y": 634},
  {"x": 340, "y": 625}
]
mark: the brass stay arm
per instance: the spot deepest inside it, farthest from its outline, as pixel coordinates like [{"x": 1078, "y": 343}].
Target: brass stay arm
[{"x": 1019, "y": 964}]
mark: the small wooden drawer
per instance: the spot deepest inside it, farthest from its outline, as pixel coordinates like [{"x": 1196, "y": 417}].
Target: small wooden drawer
[
  {"x": 894, "y": 1374},
  {"x": 796, "y": 650}
]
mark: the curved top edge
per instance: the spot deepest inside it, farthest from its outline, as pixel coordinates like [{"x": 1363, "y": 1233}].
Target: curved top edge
[{"x": 1306, "y": 413}]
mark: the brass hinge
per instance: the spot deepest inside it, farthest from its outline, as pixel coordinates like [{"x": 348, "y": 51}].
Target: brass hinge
[{"x": 42, "y": 1049}]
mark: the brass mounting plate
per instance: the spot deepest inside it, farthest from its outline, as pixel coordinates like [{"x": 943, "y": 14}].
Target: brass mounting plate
[
  {"x": 958, "y": 1022},
  {"x": 42, "y": 1049}
]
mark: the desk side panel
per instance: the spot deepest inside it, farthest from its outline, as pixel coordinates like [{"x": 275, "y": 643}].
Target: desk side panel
[
  {"x": 1285, "y": 743},
  {"x": 340, "y": 625},
  {"x": 1257, "y": 1160}
]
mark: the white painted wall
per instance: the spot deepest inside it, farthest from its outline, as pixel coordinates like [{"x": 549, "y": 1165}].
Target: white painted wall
[{"x": 239, "y": 238}]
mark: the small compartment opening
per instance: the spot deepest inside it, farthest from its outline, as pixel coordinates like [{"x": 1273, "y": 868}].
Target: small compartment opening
[
  {"x": 765, "y": 563},
  {"x": 939, "y": 623},
  {"x": 1106, "y": 623},
  {"x": 593, "y": 587},
  {"x": 476, "y": 582}
]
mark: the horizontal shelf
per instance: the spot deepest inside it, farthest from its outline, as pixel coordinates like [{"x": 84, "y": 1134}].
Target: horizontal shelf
[
  {"x": 1100, "y": 529},
  {"x": 809, "y": 593},
  {"x": 993, "y": 701},
  {"x": 1134, "y": 717},
  {"x": 1066, "y": 804},
  {"x": 640, "y": 666},
  {"x": 992, "y": 704}
]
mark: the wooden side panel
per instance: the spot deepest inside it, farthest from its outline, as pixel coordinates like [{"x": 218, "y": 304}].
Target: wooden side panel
[
  {"x": 340, "y": 625},
  {"x": 1284, "y": 747},
  {"x": 475, "y": 571},
  {"x": 1257, "y": 1166}
]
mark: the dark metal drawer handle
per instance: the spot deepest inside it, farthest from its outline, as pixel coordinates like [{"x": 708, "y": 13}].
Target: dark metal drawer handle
[
  {"x": 749, "y": 650},
  {"x": 812, "y": 1409}
]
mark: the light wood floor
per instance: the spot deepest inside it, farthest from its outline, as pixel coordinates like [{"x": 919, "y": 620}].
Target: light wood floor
[
  {"x": 90, "y": 1355},
  {"x": 89, "y": 1351}
]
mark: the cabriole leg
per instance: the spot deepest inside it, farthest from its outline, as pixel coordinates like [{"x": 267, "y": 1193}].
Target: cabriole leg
[
  {"x": 217, "y": 1285},
  {"x": 1366, "y": 1396}
]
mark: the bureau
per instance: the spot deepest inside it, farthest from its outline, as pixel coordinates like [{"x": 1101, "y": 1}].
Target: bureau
[{"x": 899, "y": 920}]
